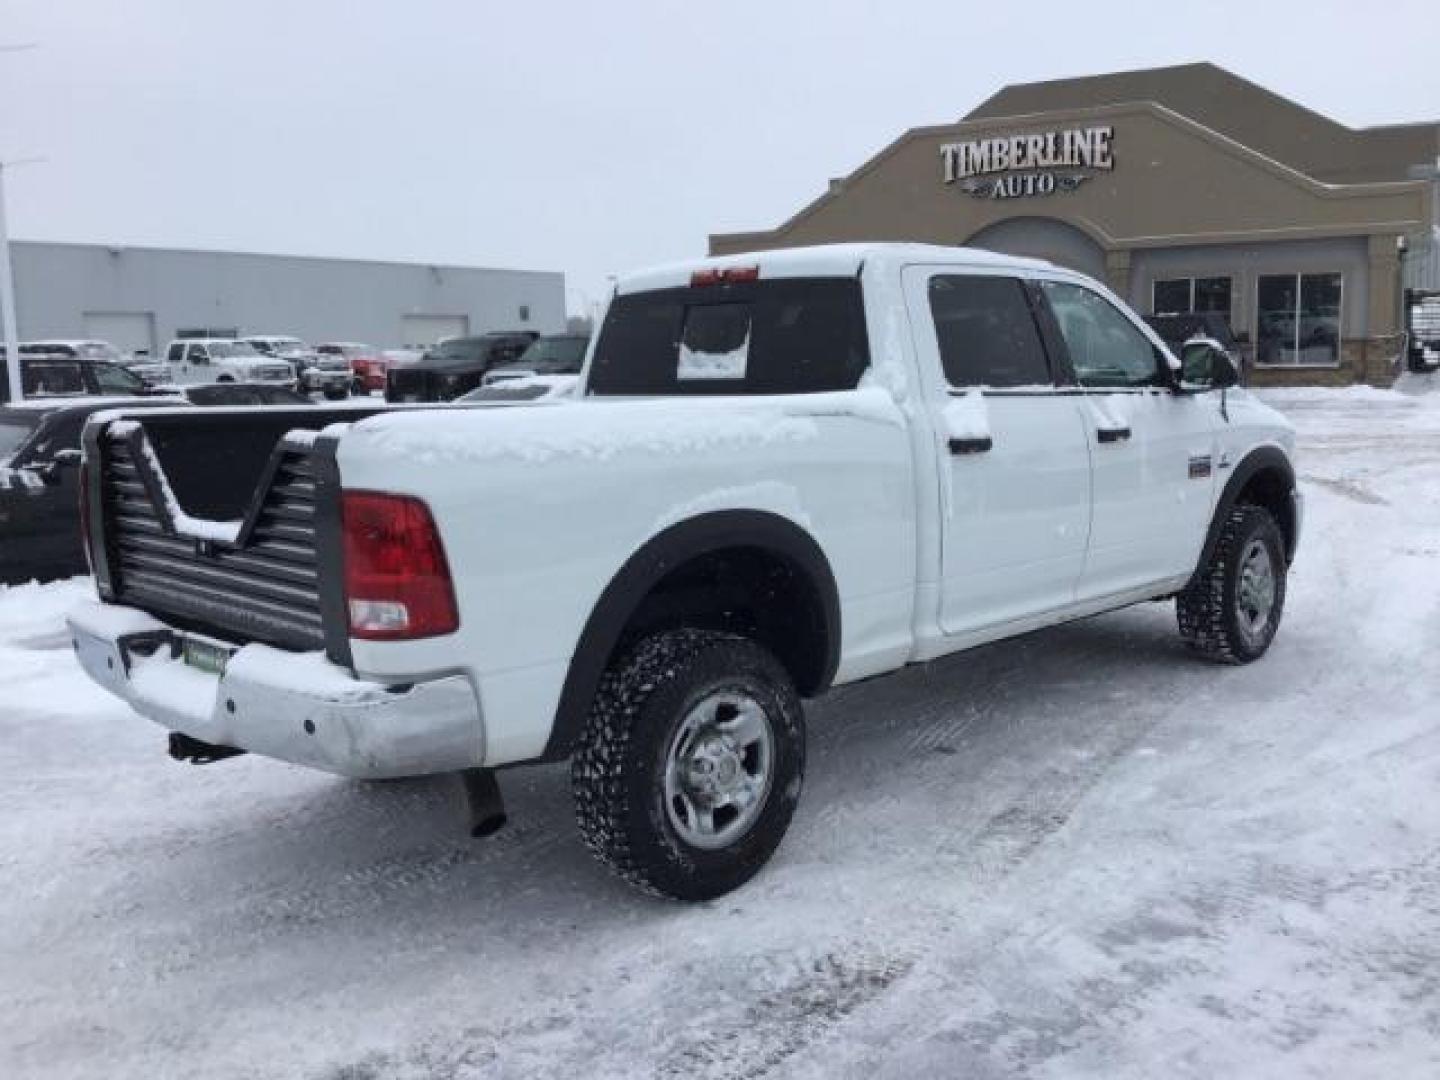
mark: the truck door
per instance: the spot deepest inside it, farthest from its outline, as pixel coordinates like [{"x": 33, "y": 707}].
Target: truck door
[
  {"x": 1014, "y": 461},
  {"x": 1154, "y": 451},
  {"x": 197, "y": 367}
]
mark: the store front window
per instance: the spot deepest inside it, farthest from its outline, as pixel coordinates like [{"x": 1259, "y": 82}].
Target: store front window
[
  {"x": 1297, "y": 320},
  {"x": 1187, "y": 295}
]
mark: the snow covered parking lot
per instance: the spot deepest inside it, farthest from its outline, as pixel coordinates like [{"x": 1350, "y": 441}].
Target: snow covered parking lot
[{"x": 1083, "y": 853}]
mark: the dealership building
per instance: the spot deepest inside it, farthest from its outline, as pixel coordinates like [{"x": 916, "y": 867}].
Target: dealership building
[
  {"x": 1185, "y": 189},
  {"x": 139, "y": 298}
]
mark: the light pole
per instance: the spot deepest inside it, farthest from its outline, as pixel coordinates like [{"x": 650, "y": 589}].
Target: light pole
[
  {"x": 7, "y": 279},
  {"x": 7, "y": 293}
]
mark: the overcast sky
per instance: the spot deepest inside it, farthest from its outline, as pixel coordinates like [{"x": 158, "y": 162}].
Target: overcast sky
[{"x": 588, "y": 138}]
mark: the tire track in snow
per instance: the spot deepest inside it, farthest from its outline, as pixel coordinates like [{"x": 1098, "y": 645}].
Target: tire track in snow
[{"x": 783, "y": 1021}]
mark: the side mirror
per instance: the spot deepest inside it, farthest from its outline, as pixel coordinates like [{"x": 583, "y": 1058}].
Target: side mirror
[{"x": 1204, "y": 365}]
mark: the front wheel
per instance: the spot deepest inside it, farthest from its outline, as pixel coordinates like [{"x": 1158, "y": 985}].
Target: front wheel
[
  {"x": 1231, "y": 609},
  {"x": 690, "y": 765}
]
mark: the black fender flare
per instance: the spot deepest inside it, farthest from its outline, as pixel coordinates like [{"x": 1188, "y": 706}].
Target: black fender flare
[
  {"x": 661, "y": 554},
  {"x": 1261, "y": 459}
]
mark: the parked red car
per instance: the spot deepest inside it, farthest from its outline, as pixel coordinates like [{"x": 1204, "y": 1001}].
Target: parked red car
[{"x": 367, "y": 363}]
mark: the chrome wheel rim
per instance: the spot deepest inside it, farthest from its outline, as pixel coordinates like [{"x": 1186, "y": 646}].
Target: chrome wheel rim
[
  {"x": 719, "y": 769},
  {"x": 1255, "y": 592}
]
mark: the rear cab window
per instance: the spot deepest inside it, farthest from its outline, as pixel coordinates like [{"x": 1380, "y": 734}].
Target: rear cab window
[{"x": 769, "y": 336}]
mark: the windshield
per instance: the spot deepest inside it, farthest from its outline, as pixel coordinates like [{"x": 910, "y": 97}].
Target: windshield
[
  {"x": 231, "y": 350},
  {"x": 528, "y": 392},
  {"x": 558, "y": 354},
  {"x": 458, "y": 348},
  {"x": 13, "y": 434},
  {"x": 114, "y": 379}
]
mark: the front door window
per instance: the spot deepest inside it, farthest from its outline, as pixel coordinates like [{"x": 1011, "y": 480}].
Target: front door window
[{"x": 1106, "y": 349}]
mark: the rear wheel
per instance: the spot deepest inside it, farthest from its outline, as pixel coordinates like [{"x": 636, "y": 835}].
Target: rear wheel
[
  {"x": 1231, "y": 610},
  {"x": 690, "y": 765}
]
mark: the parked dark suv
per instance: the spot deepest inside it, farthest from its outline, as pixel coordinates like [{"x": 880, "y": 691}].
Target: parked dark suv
[
  {"x": 455, "y": 366},
  {"x": 60, "y": 375},
  {"x": 39, "y": 486}
]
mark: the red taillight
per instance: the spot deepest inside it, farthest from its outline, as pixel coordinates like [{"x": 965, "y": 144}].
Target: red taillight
[
  {"x": 397, "y": 582},
  {"x": 729, "y": 275}
]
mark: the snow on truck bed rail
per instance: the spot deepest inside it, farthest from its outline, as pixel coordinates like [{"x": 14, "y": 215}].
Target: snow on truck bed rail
[{"x": 602, "y": 429}]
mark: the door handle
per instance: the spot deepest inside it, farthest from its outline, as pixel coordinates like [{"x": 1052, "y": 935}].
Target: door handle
[
  {"x": 1113, "y": 434},
  {"x": 979, "y": 445}
]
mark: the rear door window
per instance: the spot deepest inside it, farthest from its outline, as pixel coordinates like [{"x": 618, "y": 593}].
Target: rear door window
[
  {"x": 782, "y": 336},
  {"x": 987, "y": 332}
]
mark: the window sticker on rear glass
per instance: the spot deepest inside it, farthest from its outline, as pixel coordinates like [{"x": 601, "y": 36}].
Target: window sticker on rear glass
[{"x": 715, "y": 343}]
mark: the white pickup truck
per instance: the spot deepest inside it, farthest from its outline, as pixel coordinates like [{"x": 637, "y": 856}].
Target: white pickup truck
[
  {"x": 781, "y": 472},
  {"x": 222, "y": 360}
]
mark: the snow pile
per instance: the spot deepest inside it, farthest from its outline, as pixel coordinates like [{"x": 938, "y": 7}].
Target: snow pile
[{"x": 32, "y": 609}]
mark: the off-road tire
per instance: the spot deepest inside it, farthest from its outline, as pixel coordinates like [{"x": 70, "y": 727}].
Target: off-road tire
[
  {"x": 1208, "y": 609},
  {"x": 617, "y": 771}
]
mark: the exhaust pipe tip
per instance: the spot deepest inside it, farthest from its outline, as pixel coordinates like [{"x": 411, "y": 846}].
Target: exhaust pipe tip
[
  {"x": 484, "y": 805},
  {"x": 488, "y": 826}
]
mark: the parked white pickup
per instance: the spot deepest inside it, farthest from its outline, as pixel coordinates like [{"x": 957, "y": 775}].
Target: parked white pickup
[
  {"x": 780, "y": 472},
  {"x": 210, "y": 360}
]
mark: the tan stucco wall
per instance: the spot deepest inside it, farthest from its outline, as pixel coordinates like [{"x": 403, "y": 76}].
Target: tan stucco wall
[
  {"x": 1251, "y": 114},
  {"x": 1173, "y": 183}
]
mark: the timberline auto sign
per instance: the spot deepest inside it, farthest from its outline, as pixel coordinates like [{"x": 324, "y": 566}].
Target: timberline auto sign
[{"x": 1028, "y": 164}]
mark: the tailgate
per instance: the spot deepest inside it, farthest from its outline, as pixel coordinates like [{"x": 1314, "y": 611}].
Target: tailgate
[{"x": 225, "y": 532}]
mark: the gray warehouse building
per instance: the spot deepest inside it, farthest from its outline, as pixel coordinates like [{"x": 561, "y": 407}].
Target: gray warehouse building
[{"x": 139, "y": 298}]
